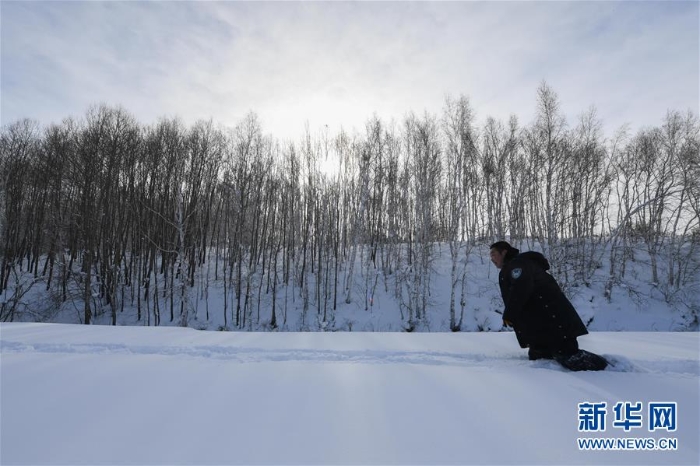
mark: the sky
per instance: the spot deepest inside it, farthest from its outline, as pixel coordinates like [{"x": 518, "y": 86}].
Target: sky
[
  {"x": 337, "y": 64},
  {"x": 105, "y": 395}
]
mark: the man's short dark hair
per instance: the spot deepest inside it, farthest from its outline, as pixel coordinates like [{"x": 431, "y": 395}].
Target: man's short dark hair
[{"x": 501, "y": 246}]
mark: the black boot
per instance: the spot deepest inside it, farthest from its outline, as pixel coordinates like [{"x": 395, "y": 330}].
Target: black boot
[
  {"x": 536, "y": 353},
  {"x": 581, "y": 360}
]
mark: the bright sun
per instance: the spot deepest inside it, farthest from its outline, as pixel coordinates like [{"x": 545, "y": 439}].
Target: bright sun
[{"x": 322, "y": 111}]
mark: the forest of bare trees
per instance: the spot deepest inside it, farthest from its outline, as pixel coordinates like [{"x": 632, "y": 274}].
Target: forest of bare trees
[{"x": 103, "y": 213}]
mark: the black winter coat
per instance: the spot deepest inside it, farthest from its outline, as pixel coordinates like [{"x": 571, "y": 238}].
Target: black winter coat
[{"x": 539, "y": 311}]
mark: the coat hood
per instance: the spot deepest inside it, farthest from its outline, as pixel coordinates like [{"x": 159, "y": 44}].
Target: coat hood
[
  {"x": 535, "y": 257},
  {"x": 511, "y": 254}
]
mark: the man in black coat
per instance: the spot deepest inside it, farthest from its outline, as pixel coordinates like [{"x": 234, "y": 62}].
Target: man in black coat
[{"x": 543, "y": 318}]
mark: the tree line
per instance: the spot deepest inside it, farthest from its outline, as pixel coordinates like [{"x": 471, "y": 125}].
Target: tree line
[{"x": 106, "y": 213}]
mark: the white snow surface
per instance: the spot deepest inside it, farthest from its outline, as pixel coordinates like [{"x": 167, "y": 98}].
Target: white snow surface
[{"x": 72, "y": 394}]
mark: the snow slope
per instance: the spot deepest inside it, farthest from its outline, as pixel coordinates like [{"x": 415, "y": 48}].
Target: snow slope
[
  {"x": 636, "y": 304},
  {"x": 136, "y": 395}
]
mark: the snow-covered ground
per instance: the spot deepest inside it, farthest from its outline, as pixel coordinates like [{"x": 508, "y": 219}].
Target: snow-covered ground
[{"x": 73, "y": 394}]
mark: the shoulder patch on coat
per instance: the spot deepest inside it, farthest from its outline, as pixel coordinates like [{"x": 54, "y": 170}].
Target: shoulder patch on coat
[{"x": 516, "y": 273}]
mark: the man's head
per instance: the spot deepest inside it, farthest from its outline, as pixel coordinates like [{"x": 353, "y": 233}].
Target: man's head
[{"x": 502, "y": 252}]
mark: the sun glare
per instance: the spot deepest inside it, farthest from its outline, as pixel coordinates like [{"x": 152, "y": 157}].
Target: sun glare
[
  {"x": 320, "y": 113},
  {"x": 325, "y": 115}
]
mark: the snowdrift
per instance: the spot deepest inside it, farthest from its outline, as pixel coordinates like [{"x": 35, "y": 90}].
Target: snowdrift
[{"x": 74, "y": 394}]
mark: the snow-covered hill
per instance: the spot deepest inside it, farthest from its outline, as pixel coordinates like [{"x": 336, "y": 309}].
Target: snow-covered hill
[
  {"x": 636, "y": 302},
  {"x": 74, "y": 394}
]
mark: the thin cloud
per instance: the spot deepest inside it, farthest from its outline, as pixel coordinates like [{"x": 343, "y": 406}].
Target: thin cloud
[{"x": 336, "y": 64}]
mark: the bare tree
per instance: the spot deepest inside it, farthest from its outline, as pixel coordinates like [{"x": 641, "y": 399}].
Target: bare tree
[
  {"x": 460, "y": 151},
  {"x": 423, "y": 169}
]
